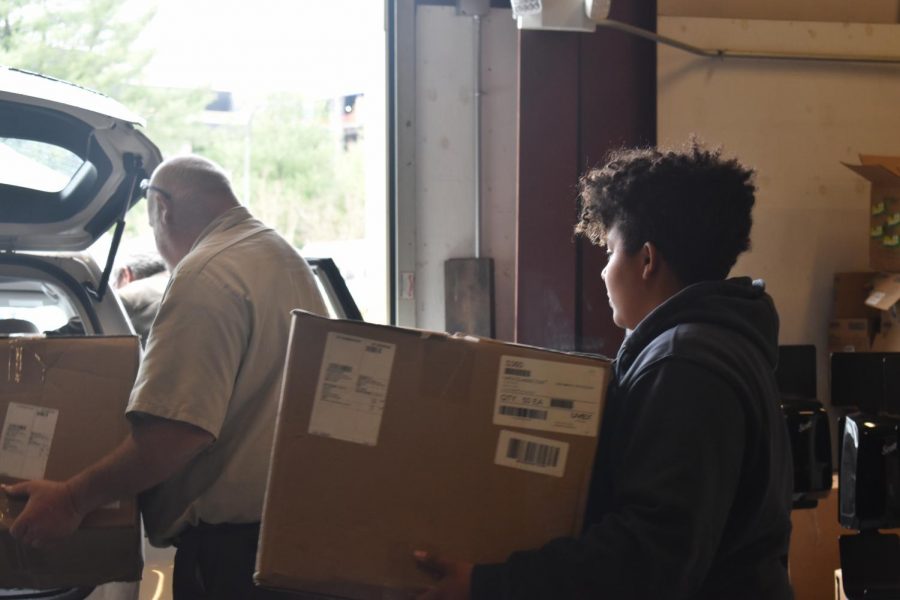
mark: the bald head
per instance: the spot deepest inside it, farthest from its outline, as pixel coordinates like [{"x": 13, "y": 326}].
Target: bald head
[{"x": 187, "y": 193}]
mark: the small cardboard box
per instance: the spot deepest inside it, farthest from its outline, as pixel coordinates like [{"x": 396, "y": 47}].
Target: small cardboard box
[
  {"x": 814, "y": 547},
  {"x": 62, "y": 405},
  {"x": 888, "y": 338},
  {"x": 884, "y": 225},
  {"x": 849, "y": 335},
  {"x": 851, "y": 289},
  {"x": 853, "y": 323},
  {"x": 390, "y": 440},
  {"x": 884, "y": 296}
]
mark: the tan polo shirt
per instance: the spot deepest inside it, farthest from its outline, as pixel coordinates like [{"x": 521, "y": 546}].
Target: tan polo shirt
[{"x": 214, "y": 358}]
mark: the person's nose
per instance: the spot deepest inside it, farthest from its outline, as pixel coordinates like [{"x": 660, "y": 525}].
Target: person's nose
[{"x": 603, "y": 273}]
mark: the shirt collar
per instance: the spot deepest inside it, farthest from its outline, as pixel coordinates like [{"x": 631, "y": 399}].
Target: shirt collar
[{"x": 226, "y": 220}]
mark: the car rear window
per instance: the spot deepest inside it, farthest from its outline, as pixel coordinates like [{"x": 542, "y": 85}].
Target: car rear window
[
  {"x": 40, "y": 303},
  {"x": 36, "y": 165}
]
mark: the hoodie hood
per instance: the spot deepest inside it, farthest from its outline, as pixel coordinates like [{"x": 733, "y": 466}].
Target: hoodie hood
[{"x": 739, "y": 304}]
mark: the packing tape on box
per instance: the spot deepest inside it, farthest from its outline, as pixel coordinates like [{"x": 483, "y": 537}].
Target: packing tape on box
[{"x": 16, "y": 366}]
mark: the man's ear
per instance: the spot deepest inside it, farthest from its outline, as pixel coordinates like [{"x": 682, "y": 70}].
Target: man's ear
[{"x": 163, "y": 209}]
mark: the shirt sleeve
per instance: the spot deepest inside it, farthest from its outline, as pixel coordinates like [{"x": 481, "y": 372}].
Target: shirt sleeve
[
  {"x": 673, "y": 494},
  {"x": 193, "y": 354}
]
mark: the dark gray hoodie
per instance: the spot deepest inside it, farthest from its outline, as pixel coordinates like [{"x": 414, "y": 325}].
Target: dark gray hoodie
[{"x": 691, "y": 493}]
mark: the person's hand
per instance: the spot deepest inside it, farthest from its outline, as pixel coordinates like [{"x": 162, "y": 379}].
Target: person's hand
[
  {"x": 454, "y": 578},
  {"x": 49, "y": 515}
]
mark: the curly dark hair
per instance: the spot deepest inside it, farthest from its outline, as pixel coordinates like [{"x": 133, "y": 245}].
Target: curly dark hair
[{"x": 693, "y": 205}]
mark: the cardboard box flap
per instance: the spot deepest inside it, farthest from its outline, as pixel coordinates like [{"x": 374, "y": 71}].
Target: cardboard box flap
[
  {"x": 891, "y": 163},
  {"x": 879, "y": 174},
  {"x": 885, "y": 292}
]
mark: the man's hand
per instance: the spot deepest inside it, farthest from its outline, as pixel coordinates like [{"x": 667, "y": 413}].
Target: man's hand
[
  {"x": 454, "y": 578},
  {"x": 49, "y": 515}
]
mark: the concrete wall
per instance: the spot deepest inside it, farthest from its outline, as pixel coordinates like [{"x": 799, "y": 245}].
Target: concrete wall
[
  {"x": 794, "y": 122},
  {"x": 444, "y": 155}
]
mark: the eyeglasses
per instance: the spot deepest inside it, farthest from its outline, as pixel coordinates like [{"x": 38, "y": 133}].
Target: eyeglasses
[{"x": 146, "y": 188}]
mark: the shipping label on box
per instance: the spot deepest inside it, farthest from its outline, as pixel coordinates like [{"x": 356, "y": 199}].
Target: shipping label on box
[
  {"x": 62, "y": 408},
  {"x": 390, "y": 440},
  {"x": 548, "y": 395},
  {"x": 352, "y": 387}
]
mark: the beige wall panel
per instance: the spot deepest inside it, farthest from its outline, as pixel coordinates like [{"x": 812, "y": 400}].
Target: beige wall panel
[
  {"x": 445, "y": 150},
  {"x": 794, "y": 122},
  {"x": 851, "y": 11}
]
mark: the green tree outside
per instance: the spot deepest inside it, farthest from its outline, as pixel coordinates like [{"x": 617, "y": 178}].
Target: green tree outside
[{"x": 301, "y": 180}]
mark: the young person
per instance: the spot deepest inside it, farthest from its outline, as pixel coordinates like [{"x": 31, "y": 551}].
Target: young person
[{"x": 691, "y": 493}]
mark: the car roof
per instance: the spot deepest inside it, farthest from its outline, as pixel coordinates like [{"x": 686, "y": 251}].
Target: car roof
[{"x": 71, "y": 161}]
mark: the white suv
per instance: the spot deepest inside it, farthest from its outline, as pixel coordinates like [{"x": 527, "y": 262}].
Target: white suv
[{"x": 71, "y": 163}]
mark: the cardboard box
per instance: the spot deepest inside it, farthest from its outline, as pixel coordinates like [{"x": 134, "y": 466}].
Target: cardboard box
[
  {"x": 390, "y": 440},
  {"x": 814, "y": 551},
  {"x": 884, "y": 226},
  {"x": 853, "y": 324},
  {"x": 62, "y": 405},
  {"x": 851, "y": 289},
  {"x": 814, "y": 558},
  {"x": 888, "y": 338},
  {"x": 850, "y": 335}
]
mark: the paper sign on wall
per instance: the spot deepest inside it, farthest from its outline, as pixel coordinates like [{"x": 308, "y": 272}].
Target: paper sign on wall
[
  {"x": 549, "y": 395},
  {"x": 25, "y": 441},
  {"x": 352, "y": 388}
]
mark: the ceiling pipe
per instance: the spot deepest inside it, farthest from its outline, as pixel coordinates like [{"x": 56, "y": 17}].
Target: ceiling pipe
[{"x": 587, "y": 15}]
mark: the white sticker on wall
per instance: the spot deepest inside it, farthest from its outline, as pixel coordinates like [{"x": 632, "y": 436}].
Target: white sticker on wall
[
  {"x": 549, "y": 395},
  {"x": 530, "y": 453},
  {"x": 25, "y": 440},
  {"x": 353, "y": 384}
]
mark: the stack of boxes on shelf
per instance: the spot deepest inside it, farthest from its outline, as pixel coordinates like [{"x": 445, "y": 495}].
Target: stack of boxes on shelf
[{"x": 865, "y": 317}]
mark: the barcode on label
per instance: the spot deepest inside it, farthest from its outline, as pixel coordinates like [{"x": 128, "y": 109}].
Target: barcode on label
[
  {"x": 560, "y": 403},
  {"x": 525, "y": 452},
  {"x": 532, "y": 453},
  {"x": 524, "y": 413},
  {"x": 517, "y": 372}
]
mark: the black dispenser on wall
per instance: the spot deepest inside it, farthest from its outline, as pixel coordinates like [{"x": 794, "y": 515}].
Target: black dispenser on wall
[
  {"x": 869, "y": 475},
  {"x": 807, "y": 424}
]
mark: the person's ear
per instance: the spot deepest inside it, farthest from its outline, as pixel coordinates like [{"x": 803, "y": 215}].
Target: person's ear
[
  {"x": 652, "y": 259},
  {"x": 163, "y": 210}
]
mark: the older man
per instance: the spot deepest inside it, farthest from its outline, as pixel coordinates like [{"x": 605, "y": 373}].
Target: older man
[{"x": 203, "y": 406}]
